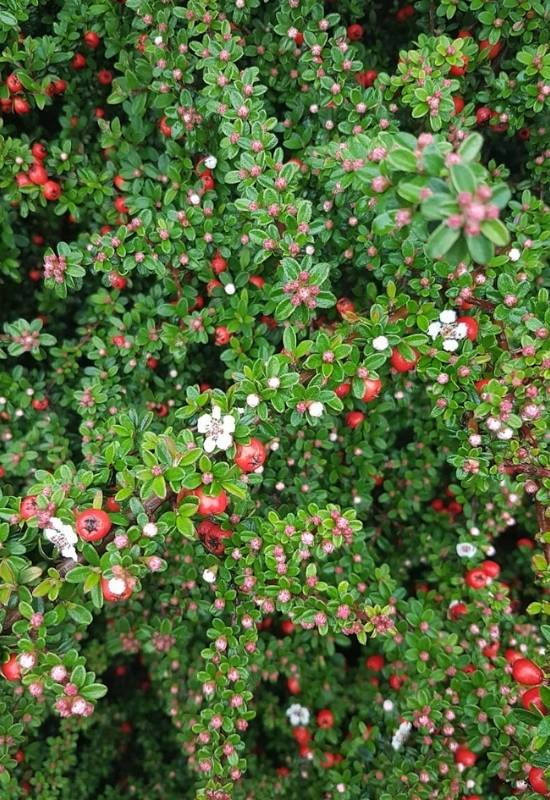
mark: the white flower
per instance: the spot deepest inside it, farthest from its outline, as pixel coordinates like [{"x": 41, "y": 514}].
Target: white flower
[
  {"x": 158, "y": 40},
  {"x": 194, "y": 199},
  {"x": 466, "y": 550},
  {"x": 380, "y": 343},
  {"x": 514, "y": 254},
  {"x": 505, "y": 434},
  {"x": 297, "y": 714},
  {"x": 252, "y": 400},
  {"x": 150, "y": 529},
  {"x": 27, "y": 660},
  {"x": 230, "y": 288},
  {"x": 116, "y": 586},
  {"x": 217, "y": 429},
  {"x": 387, "y": 705},
  {"x": 210, "y": 162},
  {"x": 310, "y": 250},
  {"x": 401, "y": 735},
  {"x": 434, "y": 329},
  {"x": 447, "y": 317},
  {"x": 316, "y": 409},
  {"x": 209, "y": 576},
  {"x": 291, "y": 33},
  {"x": 450, "y": 345},
  {"x": 62, "y": 536}
]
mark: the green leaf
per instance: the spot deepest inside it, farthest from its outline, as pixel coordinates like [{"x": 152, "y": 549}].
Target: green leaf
[
  {"x": 441, "y": 240},
  {"x": 480, "y": 248},
  {"x": 77, "y": 574},
  {"x": 402, "y": 160},
  {"x": 496, "y": 231},
  {"x": 470, "y": 147},
  {"x": 463, "y": 178},
  {"x": 80, "y": 614}
]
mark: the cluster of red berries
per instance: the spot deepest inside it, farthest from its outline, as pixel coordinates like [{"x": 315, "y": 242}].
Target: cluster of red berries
[{"x": 37, "y": 174}]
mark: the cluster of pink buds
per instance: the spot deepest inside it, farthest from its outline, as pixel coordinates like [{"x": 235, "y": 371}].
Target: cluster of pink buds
[
  {"x": 54, "y": 267},
  {"x": 302, "y": 293},
  {"x": 342, "y": 526},
  {"x": 474, "y": 209}
]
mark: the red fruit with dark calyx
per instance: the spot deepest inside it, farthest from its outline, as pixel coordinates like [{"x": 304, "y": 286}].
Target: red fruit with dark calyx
[
  {"x": 91, "y": 39},
  {"x": 28, "y": 507},
  {"x": 40, "y": 404},
  {"x": 354, "y": 419},
  {"x": 536, "y": 779},
  {"x": 483, "y": 115},
  {"x": 532, "y": 699},
  {"x": 39, "y": 151},
  {"x": 14, "y": 84},
  {"x": 37, "y": 174},
  {"x": 458, "y": 610},
  {"x": 527, "y": 673},
  {"x": 250, "y": 456},
  {"x": 464, "y": 756},
  {"x": 325, "y": 718},
  {"x": 209, "y": 504},
  {"x": 400, "y": 363},
  {"x": 51, "y": 190},
  {"x": 373, "y": 387},
  {"x": 490, "y": 568},
  {"x": 476, "y": 578},
  {"x": 355, "y": 32},
  {"x": 218, "y": 264},
  {"x": 92, "y": 524},
  {"x": 110, "y": 590},
  {"x": 472, "y": 327},
  {"x": 221, "y": 336},
  {"x": 105, "y": 77},
  {"x": 10, "y": 669},
  {"x": 212, "y": 537}
]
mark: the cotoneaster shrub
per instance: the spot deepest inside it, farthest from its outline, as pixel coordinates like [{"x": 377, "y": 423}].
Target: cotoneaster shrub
[{"x": 274, "y": 475}]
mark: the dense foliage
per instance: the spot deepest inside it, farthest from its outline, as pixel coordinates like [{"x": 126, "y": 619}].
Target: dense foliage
[{"x": 273, "y": 477}]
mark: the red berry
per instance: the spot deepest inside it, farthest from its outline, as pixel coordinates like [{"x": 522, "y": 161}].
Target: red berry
[
  {"x": 164, "y": 128},
  {"x": 51, "y": 190},
  {"x": 491, "y": 650},
  {"x": 117, "y": 281},
  {"x": 110, "y": 589},
  {"x": 91, "y": 39},
  {"x": 10, "y": 668},
  {"x": 78, "y": 61},
  {"x": 19, "y": 756},
  {"x": 458, "y": 610},
  {"x": 463, "y": 755},
  {"x": 476, "y": 578},
  {"x": 14, "y": 84},
  {"x": 525, "y": 542},
  {"x": 301, "y": 734},
  {"x": 250, "y": 456},
  {"x": 120, "y": 205},
  {"x": 354, "y": 418},
  {"x": 375, "y": 662},
  {"x": 37, "y": 174},
  {"x": 483, "y": 115},
  {"x": 481, "y": 384},
  {"x": 92, "y": 524},
  {"x": 28, "y": 507},
  {"x": 373, "y": 387},
  {"x": 21, "y": 106},
  {"x": 287, "y": 627},
  {"x": 222, "y": 335},
  {"x": 343, "y": 390},
  {"x": 527, "y": 673},
  {"x": 39, "y": 151},
  {"x": 366, "y": 78},
  {"x": 457, "y": 70},
  {"x": 112, "y": 505},
  {"x": 536, "y": 779},
  {"x": 105, "y": 77},
  {"x": 472, "y": 327},
  {"x": 257, "y": 281},
  {"x": 532, "y": 697},
  {"x": 212, "y": 536},
  {"x": 40, "y": 404},
  {"x": 494, "y": 49},
  {"x": 293, "y": 685},
  {"x": 218, "y": 264},
  {"x": 208, "y": 183},
  {"x": 345, "y": 306},
  {"x": 512, "y": 655},
  {"x": 355, "y": 32},
  {"x": 208, "y": 504},
  {"x": 458, "y": 103},
  {"x": 211, "y": 285},
  {"x": 325, "y": 718},
  {"x": 299, "y": 39},
  {"x": 490, "y": 568},
  {"x": 22, "y": 179},
  {"x": 524, "y": 134},
  {"x": 464, "y": 34},
  {"x": 400, "y": 363}
]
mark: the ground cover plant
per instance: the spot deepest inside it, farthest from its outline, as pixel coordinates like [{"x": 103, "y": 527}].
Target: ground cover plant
[{"x": 274, "y": 470}]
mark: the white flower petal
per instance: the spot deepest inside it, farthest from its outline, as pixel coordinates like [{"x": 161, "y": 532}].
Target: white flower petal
[
  {"x": 69, "y": 552},
  {"x": 204, "y": 423},
  {"x": 434, "y": 329},
  {"x": 229, "y": 424},
  {"x": 447, "y": 317},
  {"x": 224, "y": 441},
  {"x": 209, "y": 444},
  {"x": 461, "y": 331},
  {"x": 450, "y": 345},
  {"x": 380, "y": 343},
  {"x": 216, "y": 412}
]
